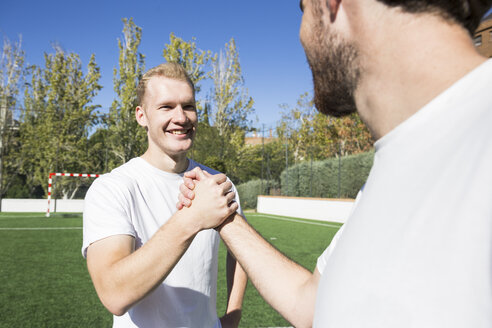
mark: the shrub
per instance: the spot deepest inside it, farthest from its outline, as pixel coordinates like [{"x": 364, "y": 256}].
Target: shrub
[
  {"x": 249, "y": 191},
  {"x": 321, "y": 178}
]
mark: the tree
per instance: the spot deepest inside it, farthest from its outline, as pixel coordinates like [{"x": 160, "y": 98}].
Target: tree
[
  {"x": 227, "y": 112},
  {"x": 352, "y": 134},
  {"x": 210, "y": 150},
  {"x": 11, "y": 69},
  {"x": 194, "y": 61},
  {"x": 312, "y": 135},
  {"x": 58, "y": 114},
  {"x": 231, "y": 103},
  {"x": 126, "y": 139},
  {"x": 294, "y": 126},
  {"x": 264, "y": 161}
]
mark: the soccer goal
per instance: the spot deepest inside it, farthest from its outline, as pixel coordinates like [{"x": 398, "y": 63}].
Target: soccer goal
[{"x": 50, "y": 181}]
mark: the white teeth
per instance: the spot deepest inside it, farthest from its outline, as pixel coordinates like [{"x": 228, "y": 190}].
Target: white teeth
[{"x": 179, "y": 132}]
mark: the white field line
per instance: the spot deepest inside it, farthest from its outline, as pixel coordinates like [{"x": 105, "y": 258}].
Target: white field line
[
  {"x": 294, "y": 220},
  {"x": 42, "y": 228},
  {"x": 41, "y": 216}
]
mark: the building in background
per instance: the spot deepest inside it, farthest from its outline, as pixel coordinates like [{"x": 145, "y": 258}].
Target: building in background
[
  {"x": 259, "y": 138},
  {"x": 483, "y": 37}
]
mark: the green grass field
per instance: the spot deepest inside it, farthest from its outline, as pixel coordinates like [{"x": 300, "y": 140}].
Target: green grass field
[{"x": 44, "y": 280}]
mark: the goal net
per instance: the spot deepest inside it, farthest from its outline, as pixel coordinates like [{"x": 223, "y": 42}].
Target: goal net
[{"x": 50, "y": 183}]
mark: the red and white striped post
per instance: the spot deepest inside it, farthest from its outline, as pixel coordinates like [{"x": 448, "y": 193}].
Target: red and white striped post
[{"x": 50, "y": 180}]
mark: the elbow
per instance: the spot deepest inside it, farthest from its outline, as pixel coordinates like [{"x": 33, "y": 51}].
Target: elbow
[
  {"x": 308, "y": 324},
  {"x": 117, "y": 311},
  {"x": 115, "y": 305},
  {"x": 303, "y": 323}
]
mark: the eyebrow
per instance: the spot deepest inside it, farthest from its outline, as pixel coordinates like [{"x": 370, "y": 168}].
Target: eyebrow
[{"x": 301, "y": 6}]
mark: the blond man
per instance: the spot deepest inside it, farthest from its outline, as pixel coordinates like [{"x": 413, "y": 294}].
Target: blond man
[{"x": 151, "y": 266}]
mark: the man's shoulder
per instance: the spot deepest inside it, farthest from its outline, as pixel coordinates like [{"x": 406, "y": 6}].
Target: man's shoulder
[
  {"x": 119, "y": 178},
  {"x": 481, "y": 75}
]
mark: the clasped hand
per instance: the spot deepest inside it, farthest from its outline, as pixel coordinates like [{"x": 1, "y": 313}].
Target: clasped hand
[{"x": 208, "y": 198}]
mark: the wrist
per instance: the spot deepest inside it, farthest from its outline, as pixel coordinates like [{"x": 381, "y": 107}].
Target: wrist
[
  {"x": 229, "y": 223},
  {"x": 186, "y": 223}
]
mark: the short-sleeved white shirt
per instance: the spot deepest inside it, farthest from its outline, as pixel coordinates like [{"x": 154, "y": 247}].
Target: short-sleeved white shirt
[
  {"x": 417, "y": 249},
  {"x": 136, "y": 199}
]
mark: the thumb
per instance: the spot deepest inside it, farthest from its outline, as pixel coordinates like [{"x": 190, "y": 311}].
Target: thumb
[{"x": 190, "y": 174}]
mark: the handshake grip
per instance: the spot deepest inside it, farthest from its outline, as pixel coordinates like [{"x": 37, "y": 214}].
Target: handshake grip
[{"x": 208, "y": 199}]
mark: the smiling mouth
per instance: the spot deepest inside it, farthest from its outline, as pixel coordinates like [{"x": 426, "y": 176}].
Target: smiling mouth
[{"x": 179, "y": 132}]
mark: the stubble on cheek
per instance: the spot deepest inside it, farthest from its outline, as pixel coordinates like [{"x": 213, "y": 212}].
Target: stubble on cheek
[{"x": 335, "y": 69}]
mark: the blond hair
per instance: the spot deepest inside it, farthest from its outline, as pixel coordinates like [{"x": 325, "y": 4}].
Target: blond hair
[{"x": 173, "y": 71}]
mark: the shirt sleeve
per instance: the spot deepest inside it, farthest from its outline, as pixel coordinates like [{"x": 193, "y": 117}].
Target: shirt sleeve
[
  {"x": 107, "y": 209},
  {"x": 323, "y": 259},
  {"x": 239, "y": 209}
]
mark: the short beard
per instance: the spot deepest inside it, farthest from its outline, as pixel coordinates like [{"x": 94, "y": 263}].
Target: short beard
[{"x": 336, "y": 72}]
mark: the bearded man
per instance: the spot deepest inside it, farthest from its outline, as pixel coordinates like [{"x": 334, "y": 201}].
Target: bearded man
[{"x": 417, "y": 248}]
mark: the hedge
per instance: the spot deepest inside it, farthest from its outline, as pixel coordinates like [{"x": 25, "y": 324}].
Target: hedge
[
  {"x": 320, "y": 179},
  {"x": 314, "y": 179},
  {"x": 249, "y": 191}
]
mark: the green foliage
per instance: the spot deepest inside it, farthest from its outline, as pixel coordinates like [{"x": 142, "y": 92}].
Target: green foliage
[
  {"x": 19, "y": 188},
  {"x": 321, "y": 178},
  {"x": 221, "y": 131},
  {"x": 231, "y": 103},
  {"x": 126, "y": 139},
  {"x": 312, "y": 135},
  {"x": 195, "y": 61},
  {"x": 206, "y": 148},
  {"x": 263, "y": 161},
  {"x": 215, "y": 162},
  {"x": 56, "y": 120},
  {"x": 99, "y": 152},
  {"x": 249, "y": 191},
  {"x": 222, "y": 121}
]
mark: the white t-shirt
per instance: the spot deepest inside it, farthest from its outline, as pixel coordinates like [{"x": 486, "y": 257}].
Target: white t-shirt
[
  {"x": 417, "y": 249},
  {"x": 136, "y": 199}
]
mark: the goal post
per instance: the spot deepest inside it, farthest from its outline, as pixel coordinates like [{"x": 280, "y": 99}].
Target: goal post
[{"x": 50, "y": 181}]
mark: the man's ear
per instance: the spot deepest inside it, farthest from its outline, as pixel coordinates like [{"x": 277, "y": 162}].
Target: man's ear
[
  {"x": 333, "y": 6},
  {"x": 141, "y": 116}
]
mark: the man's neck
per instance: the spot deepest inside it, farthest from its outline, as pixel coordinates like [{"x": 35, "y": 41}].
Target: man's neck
[
  {"x": 167, "y": 163},
  {"x": 407, "y": 64}
]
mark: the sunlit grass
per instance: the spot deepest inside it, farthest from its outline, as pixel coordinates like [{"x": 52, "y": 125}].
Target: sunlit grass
[{"x": 44, "y": 280}]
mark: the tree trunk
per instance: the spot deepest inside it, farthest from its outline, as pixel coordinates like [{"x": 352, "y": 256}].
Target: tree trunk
[{"x": 3, "y": 125}]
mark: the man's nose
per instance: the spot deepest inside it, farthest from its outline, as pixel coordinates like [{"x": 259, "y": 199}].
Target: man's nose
[{"x": 179, "y": 115}]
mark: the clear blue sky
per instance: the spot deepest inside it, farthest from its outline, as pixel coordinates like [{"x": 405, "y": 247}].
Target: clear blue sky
[{"x": 266, "y": 33}]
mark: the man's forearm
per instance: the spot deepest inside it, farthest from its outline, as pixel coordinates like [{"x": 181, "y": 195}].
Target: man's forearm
[
  {"x": 131, "y": 276},
  {"x": 236, "y": 286},
  {"x": 285, "y": 285},
  {"x": 122, "y": 277}
]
